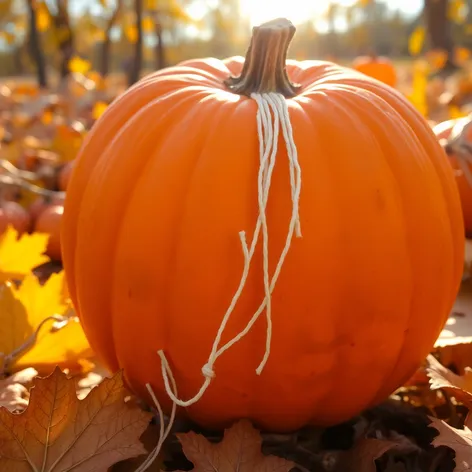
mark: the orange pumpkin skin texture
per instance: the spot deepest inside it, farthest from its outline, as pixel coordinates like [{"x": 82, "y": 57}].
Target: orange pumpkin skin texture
[
  {"x": 443, "y": 131},
  {"x": 377, "y": 67},
  {"x": 167, "y": 178}
]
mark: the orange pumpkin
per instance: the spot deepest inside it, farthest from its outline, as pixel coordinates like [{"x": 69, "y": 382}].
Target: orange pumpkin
[
  {"x": 49, "y": 222},
  {"x": 40, "y": 204},
  {"x": 459, "y": 164},
  {"x": 12, "y": 213},
  {"x": 377, "y": 67},
  {"x": 168, "y": 176}
]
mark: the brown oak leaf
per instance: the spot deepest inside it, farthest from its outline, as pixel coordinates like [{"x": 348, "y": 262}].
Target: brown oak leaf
[
  {"x": 239, "y": 450},
  {"x": 58, "y": 432},
  {"x": 459, "y": 440},
  {"x": 364, "y": 453},
  {"x": 460, "y": 386}
]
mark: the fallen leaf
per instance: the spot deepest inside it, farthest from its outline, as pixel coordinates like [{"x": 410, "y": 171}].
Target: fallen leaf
[
  {"x": 364, "y": 453},
  {"x": 14, "y": 326},
  {"x": 459, "y": 440},
  {"x": 58, "y": 432},
  {"x": 239, "y": 450},
  {"x": 14, "y": 394},
  {"x": 149, "y": 440},
  {"x": 442, "y": 378},
  {"x": 19, "y": 256},
  {"x": 42, "y": 300},
  {"x": 65, "y": 346}
]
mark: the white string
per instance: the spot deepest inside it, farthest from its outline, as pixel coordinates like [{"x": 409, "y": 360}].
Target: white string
[{"x": 272, "y": 114}]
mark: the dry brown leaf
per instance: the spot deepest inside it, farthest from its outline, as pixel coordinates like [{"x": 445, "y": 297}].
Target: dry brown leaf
[
  {"x": 240, "y": 449},
  {"x": 460, "y": 386},
  {"x": 362, "y": 456},
  {"x": 14, "y": 394},
  {"x": 459, "y": 440},
  {"x": 58, "y": 432}
]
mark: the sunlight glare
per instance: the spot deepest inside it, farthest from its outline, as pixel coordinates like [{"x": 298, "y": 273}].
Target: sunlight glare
[{"x": 297, "y": 11}]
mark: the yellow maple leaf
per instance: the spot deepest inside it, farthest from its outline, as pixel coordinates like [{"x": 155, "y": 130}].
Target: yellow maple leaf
[
  {"x": 18, "y": 256},
  {"x": 34, "y": 328},
  {"x": 14, "y": 326},
  {"x": 41, "y": 301},
  {"x": 67, "y": 347},
  {"x": 64, "y": 346},
  {"x": 79, "y": 65},
  {"x": 416, "y": 40}
]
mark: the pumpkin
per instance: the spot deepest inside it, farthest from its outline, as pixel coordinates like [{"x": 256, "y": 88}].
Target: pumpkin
[
  {"x": 40, "y": 204},
  {"x": 378, "y": 67},
  {"x": 168, "y": 176},
  {"x": 49, "y": 222},
  {"x": 458, "y": 157},
  {"x": 12, "y": 213}
]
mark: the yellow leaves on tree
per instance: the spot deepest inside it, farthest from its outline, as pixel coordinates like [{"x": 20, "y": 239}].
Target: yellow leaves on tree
[
  {"x": 457, "y": 11},
  {"x": 43, "y": 17},
  {"x": 58, "y": 432},
  {"x": 79, "y": 65},
  {"x": 148, "y": 24},
  {"x": 34, "y": 330},
  {"x": 416, "y": 40},
  {"x": 19, "y": 256},
  {"x": 131, "y": 33}
]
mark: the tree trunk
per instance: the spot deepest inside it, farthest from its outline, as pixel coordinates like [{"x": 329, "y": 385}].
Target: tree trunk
[
  {"x": 137, "y": 62},
  {"x": 440, "y": 30},
  {"x": 160, "y": 52},
  {"x": 106, "y": 46},
  {"x": 65, "y": 37},
  {"x": 35, "y": 47}
]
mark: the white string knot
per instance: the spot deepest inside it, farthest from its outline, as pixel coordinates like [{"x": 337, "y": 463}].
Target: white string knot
[
  {"x": 208, "y": 371},
  {"x": 272, "y": 115}
]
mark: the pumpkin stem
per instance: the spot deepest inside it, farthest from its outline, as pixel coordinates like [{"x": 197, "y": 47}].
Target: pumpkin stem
[{"x": 264, "y": 67}]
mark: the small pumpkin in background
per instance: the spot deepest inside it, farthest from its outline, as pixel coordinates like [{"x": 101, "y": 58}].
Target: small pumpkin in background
[
  {"x": 168, "y": 177},
  {"x": 377, "y": 67},
  {"x": 41, "y": 203},
  {"x": 49, "y": 222},
  {"x": 12, "y": 213},
  {"x": 456, "y": 138}
]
